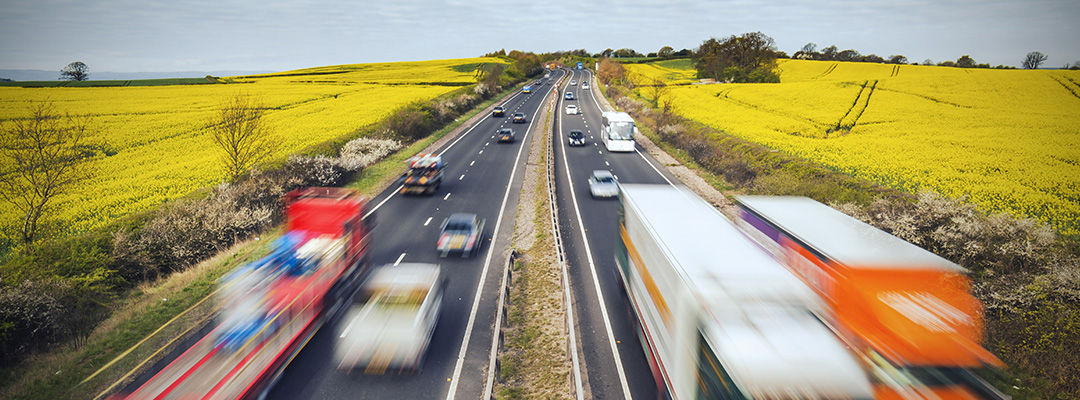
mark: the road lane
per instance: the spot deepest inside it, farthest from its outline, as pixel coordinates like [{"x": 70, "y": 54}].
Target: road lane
[{"x": 477, "y": 175}]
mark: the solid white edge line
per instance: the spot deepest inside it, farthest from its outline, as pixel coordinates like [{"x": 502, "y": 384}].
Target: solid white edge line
[
  {"x": 483, "y": 276},
  {"x": 592, "y": 269},
  {"x": 463, "y": 134}
]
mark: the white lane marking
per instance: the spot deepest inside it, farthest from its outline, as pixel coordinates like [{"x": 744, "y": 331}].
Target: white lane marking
[
  {"x": 607, "y": 163},
  {"x": 476, "y": 297},
  {"x": 566, "y": 290},
  {"x": 428, "y": 221},
  {"x": 462, "y": 136},
  {"x": 472, "y": 162},
  {"x": 615, "y": 176},
  {"x": 596, "y": 281},
  {"x": 461, "y": 177},
  {"x": 402, "y": 256},
  {"x": 481, "y": 152},
  {"x": 447, "y": 194}
]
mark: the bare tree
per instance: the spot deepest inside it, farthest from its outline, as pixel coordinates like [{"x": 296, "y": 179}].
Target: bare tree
[
  {"x": 656, "y": 91},
  {"x": 41, "y": 158},
  {"x": 76, "y": 71},
  {"x": 809, "y": 48},
  {"x": 1034, "y": 59},
  {"x": 243, "y": 137}
]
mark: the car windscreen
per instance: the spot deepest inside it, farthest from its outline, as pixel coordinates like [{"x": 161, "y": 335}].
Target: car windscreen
[
  {"x": 621, "y": 130},
  {"x": 605, "y": 179},
  {"x": 576, "y": 134}
]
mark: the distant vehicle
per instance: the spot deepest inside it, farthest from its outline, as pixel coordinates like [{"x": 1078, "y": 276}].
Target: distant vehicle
[
  {"x": 519, "y": 118},
  {"x": 571, "y": 109},
  {"x": 602, "y": 184},
  {"x": 617, "y": 130},
  {"x": 424, "y": 176},
  {"x": 573, "y": 82},
  {"x": 576, "y": 138},
  {"x": 919, "y": 337},
  {"x": 717, "y": 316},
  {"x": 392, "y": 319},
  {"x": 498, "y": 111},
  {"x": 461, "y": 233},
  {"x": 569, "y": 95},
  {"x": 585, "y": 85},
  {"x": 272, "y": 306},
  {"x": 526, "y": 89},
  {"x": 505, "y": 135},
  {"x": 579, "y": 66}
]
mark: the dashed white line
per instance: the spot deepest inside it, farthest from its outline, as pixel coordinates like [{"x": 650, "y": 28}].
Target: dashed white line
[
  {"x": 472, "y": 162},
  {"x": 461, "y": 177},
  {"x": 448, "y": 194},
  {"x": 607, "y": 163},
  {"x": 402, "y": 256},
  {"x": 428, "y": 221}
]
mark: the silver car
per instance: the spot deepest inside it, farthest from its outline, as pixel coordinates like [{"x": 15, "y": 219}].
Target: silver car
[{"x": 602, "y": 184}]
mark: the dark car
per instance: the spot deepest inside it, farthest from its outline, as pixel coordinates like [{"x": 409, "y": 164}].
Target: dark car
[
  {"x": 505, "y": 135},
  {"x": 498, "y": 111},
  {"x": 576, "y": 138},
  {"x": 460, "y": 233},
  {"x": 519, "y": 118}
]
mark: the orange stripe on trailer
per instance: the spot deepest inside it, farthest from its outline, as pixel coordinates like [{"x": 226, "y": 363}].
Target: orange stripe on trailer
[{"x": 650, "y": 285}]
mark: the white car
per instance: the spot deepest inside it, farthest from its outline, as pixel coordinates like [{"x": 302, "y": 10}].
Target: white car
[
  {"x": 571, "y": 110},
  {"x": 392, "y": 319},
  {"x": 585, "y": 85},
  {"x": 573, "y": 82},
  {"x": 602, "y": 184}
]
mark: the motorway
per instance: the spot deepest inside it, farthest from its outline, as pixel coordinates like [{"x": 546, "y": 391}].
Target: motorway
[
  {"x": 613, "y": 357},
  {"x": 482, "y": 177}
]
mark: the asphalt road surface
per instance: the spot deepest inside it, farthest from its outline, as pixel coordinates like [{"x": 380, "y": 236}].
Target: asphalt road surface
[
  {"x": 481, "y": 177},
  {"x": 613, "y": 357}
]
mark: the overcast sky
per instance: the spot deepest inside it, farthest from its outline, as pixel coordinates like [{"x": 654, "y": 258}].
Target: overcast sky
[{"x": 184, "y": 35}]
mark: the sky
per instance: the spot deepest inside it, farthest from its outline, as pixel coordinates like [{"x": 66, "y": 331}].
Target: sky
[{"x": 186, "y": 35}]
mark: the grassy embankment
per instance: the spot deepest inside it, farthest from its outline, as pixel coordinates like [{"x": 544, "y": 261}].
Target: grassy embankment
[{"x": 133, "y": 334}]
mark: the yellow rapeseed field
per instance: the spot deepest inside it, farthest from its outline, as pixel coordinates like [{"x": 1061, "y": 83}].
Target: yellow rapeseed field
[
  {"x": 1007, "y": 140},
  {"x": 164, "y": 151}
]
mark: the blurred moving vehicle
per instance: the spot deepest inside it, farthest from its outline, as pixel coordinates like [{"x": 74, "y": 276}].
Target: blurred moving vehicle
[
  {"x": 424, "y": 176},
  {"x": 518, "y": 118},
  {"x": 717, "y": 316},
  {"x": 498, "y": 111},
  {"x": 907, "y": 312},
  {"x": 569, "y": 95},
  {"x": 571, "y": 109},
  {"x": 505, "y": 135},
  {"x": 526, "y": 89},
  {"x": 461, "y": 233},
  {"x": 617, "y": 131},
  {"x": 272, "y": 307},
  {"x": 392, "y": 319},
  {"x": 576, "y": 138},
  {"x": 602, "y": 184}
]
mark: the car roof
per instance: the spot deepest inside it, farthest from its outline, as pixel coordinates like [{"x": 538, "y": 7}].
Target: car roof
[
  {"x": 498, "y": 106},
  {"x": 462, "y": 217},
  {"x": 520, "y": 113},
  {"x": 576, "y": 131},
  {"x": 601, "y": 173}
]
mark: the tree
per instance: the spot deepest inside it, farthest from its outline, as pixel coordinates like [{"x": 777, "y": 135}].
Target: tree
[
  {"x": 928, "y": 62},
  {"x": 610, "y": 72},
  {"x": 607, "y": 52},
  {"x": 829, "y": 53},
  {"x": 736, "y": 58},
  {"x": 897, "y": 59},
  {"x": 872, "y": 58},
  {"x": 656, "y": 91},
  {"x": 809, "y": 48},
  {"x": 848, "y": 55},
  {"x": 665, "y": 51},
  {"x": 242, "y": 136},
  {"x": 965, "y": 61},
  {"x": 1034, "y": 60},
  {"x": 76, "y": 71},
  {"x": 41, "y": 158}
]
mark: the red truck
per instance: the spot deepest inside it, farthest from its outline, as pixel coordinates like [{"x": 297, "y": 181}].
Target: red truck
[{"x": 273, "y": 306}]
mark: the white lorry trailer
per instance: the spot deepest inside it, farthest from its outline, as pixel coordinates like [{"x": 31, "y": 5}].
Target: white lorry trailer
[{"x": 719, "y": 318}]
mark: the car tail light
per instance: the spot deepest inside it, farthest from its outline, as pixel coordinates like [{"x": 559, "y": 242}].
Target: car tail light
[
  {"x": 443, "y": 239},
  {"x": 472, "y": 240}
]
